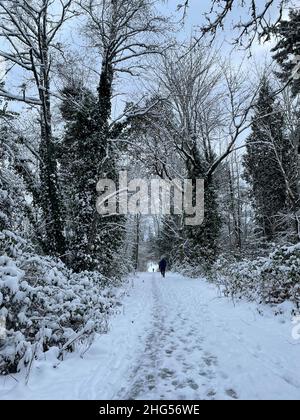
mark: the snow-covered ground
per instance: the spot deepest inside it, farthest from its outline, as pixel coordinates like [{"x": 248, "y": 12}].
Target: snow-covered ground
[{"x": 175, "y": 338}]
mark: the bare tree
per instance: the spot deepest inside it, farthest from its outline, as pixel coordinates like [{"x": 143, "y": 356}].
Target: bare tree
[
  {"x": 205, "y": 104},
  {"x": 184, "y": 121},
  {"x": 28, "y": 29},
  {"x": 261, "y": 18},
  {"x": 204, "y": 112},
  {"x": 123, "y": 31},
  {"x": 234, "y": 204}
]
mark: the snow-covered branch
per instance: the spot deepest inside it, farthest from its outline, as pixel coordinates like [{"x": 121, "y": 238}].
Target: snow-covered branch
[{"x": 20, "y": 98}]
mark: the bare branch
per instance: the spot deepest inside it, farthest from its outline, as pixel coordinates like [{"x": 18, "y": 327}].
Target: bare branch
[
  {"x": 259, "y": 25},
  {"x": 27, "y": 99}
]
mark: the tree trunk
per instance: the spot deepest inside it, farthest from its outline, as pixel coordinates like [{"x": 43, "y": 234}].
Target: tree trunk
[
  {"x": 50, "y": 201},
  {"x": 137, "y": 247}
]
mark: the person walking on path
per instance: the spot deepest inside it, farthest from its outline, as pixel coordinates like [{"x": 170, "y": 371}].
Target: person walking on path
[{"x": 163, "y": 267}]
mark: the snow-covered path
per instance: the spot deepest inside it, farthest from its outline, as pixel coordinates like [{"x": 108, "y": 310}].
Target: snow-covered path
[{"x": 176, "y": 339}]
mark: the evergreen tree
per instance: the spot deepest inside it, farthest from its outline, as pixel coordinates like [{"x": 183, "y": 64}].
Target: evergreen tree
[
  {"x": 287, "y": 54},
  {"x": 92, "y": 240},
  {"x": 287, "y": 50},
  {"x": 77, "y": 110},
  {"x": 265, "y": 162},
  {"x": 203, "y": 240}
]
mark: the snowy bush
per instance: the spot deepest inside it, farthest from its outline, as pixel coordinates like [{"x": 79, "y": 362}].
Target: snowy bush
[
  {"x": 12, "y": 244},
  {"x": 189, "y": 270},
  {"x": 272, "y": 279},
  {"x": 194, "y": 269},
  {"x": 45, "y": 306}
]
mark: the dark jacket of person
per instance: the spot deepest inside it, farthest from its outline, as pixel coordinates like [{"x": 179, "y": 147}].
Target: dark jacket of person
[{"x": 163, "y": 265}]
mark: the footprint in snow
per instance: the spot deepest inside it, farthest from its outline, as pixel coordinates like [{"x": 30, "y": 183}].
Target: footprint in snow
[
  {"x": 210, "y": 360},
  {"x": 232, "y": 394},
  {"x": 211, "y": 394},
  {"x": 166, "y": 373},
  {"x": 192, "y": 384}
]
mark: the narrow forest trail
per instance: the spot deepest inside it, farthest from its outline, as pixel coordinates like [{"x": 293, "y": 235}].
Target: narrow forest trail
[
  {"x": 174, "y": 363},
  {"x": 174, "y": 338}
]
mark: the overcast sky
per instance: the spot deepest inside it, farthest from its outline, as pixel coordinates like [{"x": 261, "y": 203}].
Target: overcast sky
[
  {"x": 190, "y": 28},
  {"x": 193, "y": 19}
]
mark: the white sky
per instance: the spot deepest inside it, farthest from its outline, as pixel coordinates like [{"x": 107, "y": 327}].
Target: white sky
[{"x": 194, "y": 18}]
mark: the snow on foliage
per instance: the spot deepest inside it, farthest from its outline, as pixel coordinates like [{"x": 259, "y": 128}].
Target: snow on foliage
[
  {"x": 272, "y": 280},
  {"x": 47, "y": 306}
]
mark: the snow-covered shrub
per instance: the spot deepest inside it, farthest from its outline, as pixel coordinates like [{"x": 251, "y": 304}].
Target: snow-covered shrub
[
  {"x": 272, "y": 279},
  {"x": 13, "y": 245},
  {"x": 200, "y": 268},
  {"x": 45, "y": 305},
  {"x": 188, "y": 270}
]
